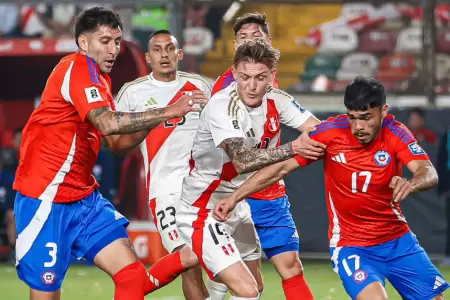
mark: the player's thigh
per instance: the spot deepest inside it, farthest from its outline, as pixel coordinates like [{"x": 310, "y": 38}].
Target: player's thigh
[
  {"x": 164, "y": 211},
  {"x": 356, "y": 269},
  {"x": 46, "y": 231},
  {"x": 415, "y": 277},
  {"x": 209, "y": 239},
  {"x": 104, "y": 239},
  {"x": 255, "y": 268},
  {"x": 244, "y": 234}
]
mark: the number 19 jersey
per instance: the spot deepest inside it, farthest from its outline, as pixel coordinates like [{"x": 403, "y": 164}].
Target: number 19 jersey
[{"x": 357, "y": 177}]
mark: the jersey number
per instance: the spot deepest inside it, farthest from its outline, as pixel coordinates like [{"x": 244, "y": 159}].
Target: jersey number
[
  {"x": 174, "y": 122},
  {"x": 52, "y": 252},
  {"x": 162, "y": 215},
  {"x": 217, "y": 229},
  {"x": 355, "y": 175},
  {"x": 347, "y": 267}
]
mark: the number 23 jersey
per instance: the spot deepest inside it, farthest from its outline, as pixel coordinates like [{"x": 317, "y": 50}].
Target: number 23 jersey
[{"x": 357, "y": 177}]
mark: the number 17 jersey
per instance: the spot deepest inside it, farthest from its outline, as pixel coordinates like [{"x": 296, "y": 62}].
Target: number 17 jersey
[{"x": 357, "y": 177}]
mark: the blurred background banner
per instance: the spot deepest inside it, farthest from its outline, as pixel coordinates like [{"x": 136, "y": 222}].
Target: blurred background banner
[{"x": 324, "y": 45}]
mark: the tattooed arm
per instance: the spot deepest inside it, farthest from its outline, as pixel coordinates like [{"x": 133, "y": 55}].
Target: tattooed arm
[
  {"x": 115, "y": 122},
  {"x": 247, "y": 160}
]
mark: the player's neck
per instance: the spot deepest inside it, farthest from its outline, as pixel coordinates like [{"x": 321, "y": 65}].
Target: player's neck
[{"x": 165, "y": 77}]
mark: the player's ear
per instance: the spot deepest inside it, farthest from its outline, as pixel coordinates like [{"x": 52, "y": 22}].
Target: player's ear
[
  {"x": 82, "y": 43},
  {"x": 180, "y": 54},
  {"x": 384, "y": 110},
  {"x": 235, "y": 44},
  {"x": 274, "y": 72},
  {"x": 147, "y": 58},
  {"x": 233, "y": 71},
  {"x": 269, "y": 40}
]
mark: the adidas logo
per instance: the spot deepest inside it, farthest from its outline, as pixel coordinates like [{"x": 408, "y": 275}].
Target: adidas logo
[
  {"x": 118, "y": 215},
  {"x": 340, "y": 158},
  {"x": 438, "y": 282}
]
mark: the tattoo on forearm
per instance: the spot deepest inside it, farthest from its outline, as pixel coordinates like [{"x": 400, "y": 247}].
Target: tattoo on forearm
[
  {"x": 248, "y": 160},
  {"x": 115, "y": 122}
]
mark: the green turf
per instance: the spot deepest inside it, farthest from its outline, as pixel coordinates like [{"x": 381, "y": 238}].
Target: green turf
[{"x": 86, "y": 283}]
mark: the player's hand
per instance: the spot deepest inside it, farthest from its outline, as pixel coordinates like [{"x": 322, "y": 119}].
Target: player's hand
[
  {"x": 307, "y": 147},
  {"x": 223, "y": 209},
  {"x": 402, "y": 188},
  {"x": 190, "y": 102}
]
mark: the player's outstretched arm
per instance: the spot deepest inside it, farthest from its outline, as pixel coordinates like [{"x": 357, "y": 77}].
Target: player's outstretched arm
[
  {"x": 246, "y": 160},
  {"x": 260, "y": 180},
  {"x": 424, "y": 177},
  {"x": 114, "y": 122}
]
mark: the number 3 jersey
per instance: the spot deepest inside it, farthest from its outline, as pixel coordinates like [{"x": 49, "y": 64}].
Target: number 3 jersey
[
  {"x": 357, "y": 177},
  {"x": 166, "y": 150},
  {"x": 225, "y": 116}
]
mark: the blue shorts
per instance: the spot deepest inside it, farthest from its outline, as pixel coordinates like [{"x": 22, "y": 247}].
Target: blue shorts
[
  {"x": 275, "y": 226},
  {"x": 402, "y": 261},
  {"x": 49, "y": 233}
]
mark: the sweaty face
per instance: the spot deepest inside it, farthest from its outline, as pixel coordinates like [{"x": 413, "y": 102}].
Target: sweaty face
[
  {"x": 163, "y": 54},
  {"x": 248, "y": 32},
  {"x": 366, "y": 124},
  {"x": 252, "y": 82},
  {"x": 102, "y": 45}
]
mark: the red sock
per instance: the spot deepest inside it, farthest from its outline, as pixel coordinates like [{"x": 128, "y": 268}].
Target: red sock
[
  {"x": 131, "y": 282},
  {"x": 164, "y": 271},
  {"x": 296, "y": 288}
]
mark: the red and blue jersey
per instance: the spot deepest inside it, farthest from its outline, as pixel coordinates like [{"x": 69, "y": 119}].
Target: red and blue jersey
[{"x": 360, "y": 207}]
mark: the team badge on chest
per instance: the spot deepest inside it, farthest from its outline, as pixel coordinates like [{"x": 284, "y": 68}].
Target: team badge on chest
[{"x": 382, "y": 158}]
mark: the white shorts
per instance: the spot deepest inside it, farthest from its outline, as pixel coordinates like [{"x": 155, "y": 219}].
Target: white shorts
[
  {"x": 219, "y": 245},
  {"x": 163, "y": 211}
]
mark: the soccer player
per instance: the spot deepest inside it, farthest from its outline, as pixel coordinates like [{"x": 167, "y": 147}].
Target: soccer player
[
  {"x": 233, "y": 138},
  {"x": 167, "y": 148},
  {"x": 59, "y": 211},
  {"x": 370, "y": 240},
  {"x": 273, "y": 220}
]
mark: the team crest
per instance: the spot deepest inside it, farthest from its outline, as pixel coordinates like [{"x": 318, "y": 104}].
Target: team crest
[
  {"x": 360, "y": 276},
  {"x": 415, "y": 149},
  {"x": 382, "y": 158},
  {"x": 49, "y": 277},
  {"x": 274, "y": 124}
]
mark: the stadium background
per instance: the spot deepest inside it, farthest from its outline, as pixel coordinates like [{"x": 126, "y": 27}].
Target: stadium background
[{"x": 324, "y": 44}]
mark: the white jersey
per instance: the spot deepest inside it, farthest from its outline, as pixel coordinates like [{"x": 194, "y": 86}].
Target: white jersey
[
  {"x": 225, "y": 116},
  {"x": 167, "y": 148}
]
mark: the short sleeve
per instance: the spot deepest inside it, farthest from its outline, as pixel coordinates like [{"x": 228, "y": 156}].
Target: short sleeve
[
  {"x": 322, "y": 134},
  {"x": 84, "y": 88},
  {"x": 221, "y": 125},
  {"x": 405, "y": 144},
  {"x": 292, "y": 114},
  {"x": 123, "y": 101}
]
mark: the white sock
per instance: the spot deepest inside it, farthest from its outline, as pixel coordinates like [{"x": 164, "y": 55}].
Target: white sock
[
  {"x": 217, "y": 291},
  {"x": 240, "y": 298},
  {"x": 260, "y": 294}
]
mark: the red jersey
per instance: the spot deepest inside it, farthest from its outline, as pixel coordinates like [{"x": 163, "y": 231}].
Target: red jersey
[
  {"x": 60, "y": 147},
  {"x": 357, "y": 177},
  {"x": 272, "y": 192}
]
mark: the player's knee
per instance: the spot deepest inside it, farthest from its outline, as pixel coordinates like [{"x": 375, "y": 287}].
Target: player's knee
[
  {"x": 188, "y": 258},
  {"x": 247, "y": 289},
  {"x": 288, "y": 265}
]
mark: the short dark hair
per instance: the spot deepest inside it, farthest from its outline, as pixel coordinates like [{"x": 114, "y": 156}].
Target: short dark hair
[
  {"x": 91, "y": 19},
  {"x": 162, "y": 31},
  {"x": 257, "y": 51},
  {"x": 417, "y": 110},
  {"x": 249, "y": 18},
  {"x": 364, "y": 93}
]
